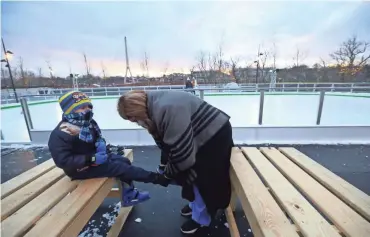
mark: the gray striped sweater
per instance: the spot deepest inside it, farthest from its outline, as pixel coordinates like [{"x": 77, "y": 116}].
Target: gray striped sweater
[{"x": 184, "y": 123}]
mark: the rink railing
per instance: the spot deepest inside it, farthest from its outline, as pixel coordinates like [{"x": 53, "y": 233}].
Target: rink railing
[
  {"x": 254, "y": 134},
  {"x": 210, "y": 88}
]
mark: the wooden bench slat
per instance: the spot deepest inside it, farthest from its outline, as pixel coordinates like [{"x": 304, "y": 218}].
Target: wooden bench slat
[
  {"x": 71, "y": 214},
  {"x": 353, "y": 196},
  {"x": 263, "y": 213},
  {"x": 23, "y": 179},
  {"x": 305, "y": 216},
  {"x": 347, "y": 220},
  {"x": 129, "y": 154},
  {"x": 119, "y": 222},
  {"x": 18, "y": 223},
  {"x": 16, "y": 200}
]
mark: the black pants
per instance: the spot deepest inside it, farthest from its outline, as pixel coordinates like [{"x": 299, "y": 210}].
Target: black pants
[
  {"x": 116, "y": 167},
  {"x": 213, "y": 170}
]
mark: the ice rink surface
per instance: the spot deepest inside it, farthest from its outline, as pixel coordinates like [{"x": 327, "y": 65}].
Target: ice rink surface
[{"x": 279, "y": 110}]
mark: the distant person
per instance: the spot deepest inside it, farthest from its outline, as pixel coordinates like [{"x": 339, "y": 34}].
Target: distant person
[
  {"x": 78, "y": 147},
  {"x": 189, "y": 85},
  {"x": 196, "y": 141}
]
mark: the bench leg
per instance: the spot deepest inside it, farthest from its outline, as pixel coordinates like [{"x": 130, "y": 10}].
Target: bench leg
[
  {"x": 122, "y": 214},
  {"x": 234, "y": 199},
  {"x": 234, "y": 232}
]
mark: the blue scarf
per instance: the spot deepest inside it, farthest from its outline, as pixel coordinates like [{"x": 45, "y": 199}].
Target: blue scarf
[{"x": 86, "y": 123}]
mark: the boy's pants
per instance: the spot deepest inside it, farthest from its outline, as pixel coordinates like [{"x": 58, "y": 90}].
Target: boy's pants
[{"x": 117, "y": 166}]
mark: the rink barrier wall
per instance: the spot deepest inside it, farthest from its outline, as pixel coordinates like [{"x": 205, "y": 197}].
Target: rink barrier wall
[
  {"x": 342, "y": 94},
  {"x": 262, "y": 134},
  {"x": 252, "y": 135}
]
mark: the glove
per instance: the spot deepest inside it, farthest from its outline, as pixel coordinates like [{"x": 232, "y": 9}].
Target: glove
[
  {"x": 161, "y": 180},
  {"x": 99, "y": 158},
  {"x": 119, "y": 150},
  {"x": 100, "y": 146}
]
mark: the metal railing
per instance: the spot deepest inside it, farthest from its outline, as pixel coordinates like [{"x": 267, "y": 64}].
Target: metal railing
[{"x": 219, "y": 88}]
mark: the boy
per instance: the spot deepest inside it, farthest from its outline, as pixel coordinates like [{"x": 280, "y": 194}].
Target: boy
[{"x": 77, "y": 147}]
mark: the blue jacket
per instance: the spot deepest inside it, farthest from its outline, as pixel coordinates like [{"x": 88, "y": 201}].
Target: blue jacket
[{"x": 68, "y": 151}]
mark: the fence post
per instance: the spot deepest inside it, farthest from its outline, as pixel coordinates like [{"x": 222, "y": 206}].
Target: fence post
[
  {"x": 321, "y": 103},
  {"x": 2, "y": 135},
  {"x": 260, "y": 114},
  {"x": 27, "y": 115},
  {"x": 202, "y": 94}
]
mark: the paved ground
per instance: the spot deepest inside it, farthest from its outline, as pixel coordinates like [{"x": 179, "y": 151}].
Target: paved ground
[{"x": 160, "y": 216}]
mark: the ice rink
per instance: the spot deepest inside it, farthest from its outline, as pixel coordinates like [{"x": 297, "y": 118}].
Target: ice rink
[{"x": 279, "y": 110}]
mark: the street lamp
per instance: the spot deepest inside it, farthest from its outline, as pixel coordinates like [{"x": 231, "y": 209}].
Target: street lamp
[{"x": 6, "y": 60}]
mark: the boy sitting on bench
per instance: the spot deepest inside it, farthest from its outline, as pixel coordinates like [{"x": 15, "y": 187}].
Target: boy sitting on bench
[{"x": 77, "y": 147}]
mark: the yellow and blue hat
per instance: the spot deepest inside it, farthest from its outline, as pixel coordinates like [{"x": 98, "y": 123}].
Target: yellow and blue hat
[{"x": 74, "y": 100}]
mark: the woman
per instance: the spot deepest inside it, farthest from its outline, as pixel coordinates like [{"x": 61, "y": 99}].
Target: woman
[{"x": 196, "y": 141}]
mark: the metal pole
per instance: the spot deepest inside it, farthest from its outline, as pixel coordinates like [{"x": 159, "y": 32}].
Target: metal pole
[
  {"x": 27, "y": 116},
  {"x": 260, "y": 115},
  {"x": 10, "y": 70},
  {"x": 2, "y": 135},
  {"x": 321, "y": 103},
  {"x": 202, "y": 94}
]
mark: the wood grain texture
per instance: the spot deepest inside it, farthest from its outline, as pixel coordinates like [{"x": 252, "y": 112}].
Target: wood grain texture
[
  {"x": 344, "y": 217},
  {"x": 263, "y": 213},
  {"x": 307, "y": 218},
  {"x": 348, "y": 193},
  {"x": 16, "y": 200},
  {"x": 18, "y": 223},
  {"x": 234, "y": 232},
  {"x": 25, "y": 178},
  {"x": 73, "y": 212}
]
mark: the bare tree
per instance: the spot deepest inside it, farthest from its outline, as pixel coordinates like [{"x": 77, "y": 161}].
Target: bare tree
[
  {"x": 2, "y": 72},
  {"x": 274, "y": 55},
  {"x": 165, "y": 67},
  {"x": 202, "y": 65},
  {"x": 22, "y": 72},
  {"x": 263, "y": 59},
  {"x": 233, "y": 68},
  {"x": 351, "y": 56},
  {"x": 192, "y": 69},
  {"x": 299, "y": 57}
]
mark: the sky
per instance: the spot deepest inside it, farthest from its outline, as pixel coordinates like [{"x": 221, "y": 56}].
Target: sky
[{"x": 173, "y": 33}]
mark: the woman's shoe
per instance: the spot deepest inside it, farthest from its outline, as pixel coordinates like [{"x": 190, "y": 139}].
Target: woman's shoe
[
  {"x": 186, "y": 211},
  {"x": 190, "y": 227}
]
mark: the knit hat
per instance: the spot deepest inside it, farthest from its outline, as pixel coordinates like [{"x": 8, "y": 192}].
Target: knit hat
[{"x": 74, "y": 100}]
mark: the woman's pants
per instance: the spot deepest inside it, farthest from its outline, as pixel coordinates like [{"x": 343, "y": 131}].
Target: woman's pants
[{"x": 199, "y": 209}]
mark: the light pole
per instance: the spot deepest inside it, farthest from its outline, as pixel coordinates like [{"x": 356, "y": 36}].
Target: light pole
[{"x": 7, "y": 52}]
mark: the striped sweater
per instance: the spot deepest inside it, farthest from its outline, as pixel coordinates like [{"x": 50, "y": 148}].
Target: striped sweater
[{"x": 184, "y": 123}]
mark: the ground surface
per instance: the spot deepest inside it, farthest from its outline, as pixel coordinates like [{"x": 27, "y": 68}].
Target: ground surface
[{"x": 160, "y": 216}]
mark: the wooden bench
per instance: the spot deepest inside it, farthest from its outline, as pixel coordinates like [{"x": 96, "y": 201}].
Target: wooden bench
[
  {"x": 285, "y": 193},
  {"x": 43, "y": 201}
]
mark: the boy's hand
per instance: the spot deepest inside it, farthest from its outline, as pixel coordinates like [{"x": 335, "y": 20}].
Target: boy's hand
[
  {"x": 101, "y": 147},
  {"x": 99, "y": 158}
]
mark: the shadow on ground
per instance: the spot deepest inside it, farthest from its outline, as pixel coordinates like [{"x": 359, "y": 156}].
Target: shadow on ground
[{"x": 160, "y": 216}]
